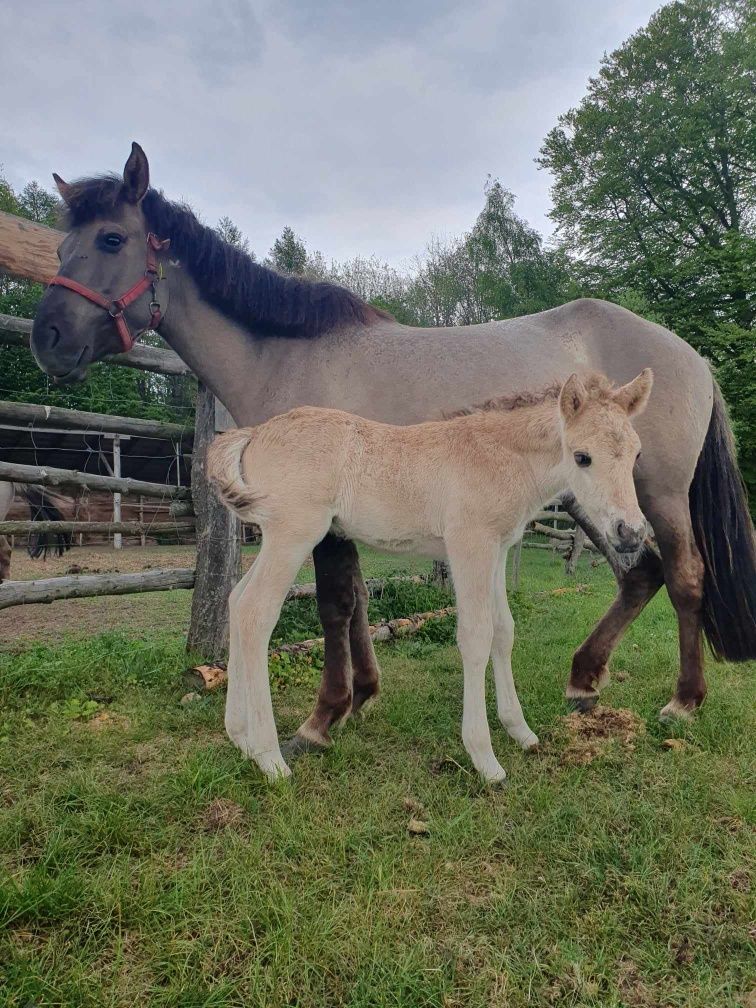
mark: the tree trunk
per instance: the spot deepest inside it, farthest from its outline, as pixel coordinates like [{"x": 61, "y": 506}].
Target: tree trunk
[{"x": 218, "y": 552}]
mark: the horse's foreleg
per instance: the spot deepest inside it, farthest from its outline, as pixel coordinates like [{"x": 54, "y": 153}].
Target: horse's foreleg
[
  {"x": 365, "y": 669},
  {"x": 473, "y": 564},
  {"x": 5, "y": 558},
  {"x": 334, "y": 575},
  {"x": 507, "y": 701},
  {"x": 590, "y": 664}
]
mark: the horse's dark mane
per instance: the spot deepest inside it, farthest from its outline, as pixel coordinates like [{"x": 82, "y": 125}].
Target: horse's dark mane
[
  {"x": 264, "y": 301},
  {"x": 597, "y": 385}
]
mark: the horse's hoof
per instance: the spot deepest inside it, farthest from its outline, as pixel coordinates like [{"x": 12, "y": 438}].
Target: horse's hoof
[
  {"x": 298, "y": 746},
  {"x": 676, "y": 711},
  {"x": 582, "y": 704}
]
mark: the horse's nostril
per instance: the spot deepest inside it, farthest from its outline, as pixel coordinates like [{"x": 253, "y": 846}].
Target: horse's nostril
[
  {"x": 54, "y": 336},
  {"x": 622, "y": 530}
]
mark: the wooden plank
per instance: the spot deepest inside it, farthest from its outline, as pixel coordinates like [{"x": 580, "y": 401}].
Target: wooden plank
[
  {"x": 95, "y": 527},
  {"x": 17, "y": 332},
  {"x": 28, "y": 250},
  {"x": 218, "y": 548},
  {"x": 49, "y": 476},
  {"x": 31, "y": 414},
  {"x": 13, "y": 593}
]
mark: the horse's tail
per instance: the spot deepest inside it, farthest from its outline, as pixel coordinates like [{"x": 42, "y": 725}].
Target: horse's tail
[
  {"x": 42, "y": 508},
  {"x": 725, "y": 537},
  {"x": 224, "y": 470}
]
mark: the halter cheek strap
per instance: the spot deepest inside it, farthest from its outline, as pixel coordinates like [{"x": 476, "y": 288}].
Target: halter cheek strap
[{"x": 116, "y": 308}]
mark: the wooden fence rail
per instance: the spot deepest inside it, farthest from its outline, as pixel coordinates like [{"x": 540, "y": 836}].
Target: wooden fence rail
[
  {"x": 30, "y": 414},
  {"x": 95, "y": 527},
  {"x": 13, "y": 593},
  {"x": 12, "y": 472}
]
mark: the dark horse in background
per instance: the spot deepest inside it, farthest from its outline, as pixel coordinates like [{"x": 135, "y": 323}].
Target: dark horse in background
[
  {"x": 43, "y": 506},
  {"x": 265, "y": 343}
]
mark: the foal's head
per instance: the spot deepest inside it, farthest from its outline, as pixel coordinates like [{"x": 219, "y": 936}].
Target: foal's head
[{"x": 600, "y": 450}]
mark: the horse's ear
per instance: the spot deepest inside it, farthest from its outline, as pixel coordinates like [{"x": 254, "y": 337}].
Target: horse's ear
[
  {"x": 634, "y": 396},
  {"x": 65, "y": 190},
  {"x": 136, "y": 175},
  {"x": 572, "y": 398}
]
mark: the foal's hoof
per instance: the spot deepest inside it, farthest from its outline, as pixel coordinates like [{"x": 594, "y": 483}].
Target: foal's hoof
[
  {"x": 676, "y": 711},
  {"x": 298, "y": 746}
]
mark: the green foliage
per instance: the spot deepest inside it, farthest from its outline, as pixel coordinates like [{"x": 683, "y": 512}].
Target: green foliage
[
  {"x": 655, "y": 185},
  {"x": 232, "y": 234},
  {"x": 289, "y": 253}
]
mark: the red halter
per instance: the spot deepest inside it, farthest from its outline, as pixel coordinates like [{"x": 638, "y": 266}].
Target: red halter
[{"x": 152, "y": 274}]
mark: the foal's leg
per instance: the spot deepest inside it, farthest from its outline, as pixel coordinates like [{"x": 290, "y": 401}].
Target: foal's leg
[
  {"x": 636, "y": 587},
  {"x": 473, "y": 565},
  {"x": 684, "y": 575},
  {"x": 507, "y": 701},
  {"x": 254, "y": 607}
]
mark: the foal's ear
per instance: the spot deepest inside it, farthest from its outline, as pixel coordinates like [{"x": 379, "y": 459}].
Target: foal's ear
[
  {"x": 136, "y": 175},
  {"x": 572, "y": 398},
  {"x": 634, "y": 396},
  {"x": 65, "y": 190}
]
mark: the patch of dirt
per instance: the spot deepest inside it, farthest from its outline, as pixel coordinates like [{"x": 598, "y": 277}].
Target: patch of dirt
[
  {"x": 220, "y": 814},
  {"x": 589, "y": 736},
  {"x": 635, "y": 992},
  {"x": 105, "y": 721}
]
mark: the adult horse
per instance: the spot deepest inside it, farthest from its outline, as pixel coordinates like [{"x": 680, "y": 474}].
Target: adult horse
[
  {"x": 41, "y": 508},
  {"x": 265, "y": 343}
]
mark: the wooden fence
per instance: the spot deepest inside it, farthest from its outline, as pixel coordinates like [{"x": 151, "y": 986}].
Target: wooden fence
[{"x": 28, "y": 252}]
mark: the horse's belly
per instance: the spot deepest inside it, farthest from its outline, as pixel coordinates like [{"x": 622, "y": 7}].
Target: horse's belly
[{"x": 390, "y": 540}]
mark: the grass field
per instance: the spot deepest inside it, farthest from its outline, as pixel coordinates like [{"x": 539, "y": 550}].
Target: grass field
[{"x": 146, "y": 863}]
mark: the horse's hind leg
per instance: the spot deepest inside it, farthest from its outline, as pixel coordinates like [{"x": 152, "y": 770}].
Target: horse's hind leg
[
  {"x": 365, "y": 670},
  {"x": 507, "y": 701},
  {"x": 636, "y": 587},
  {"x": 684, "y": 576}
]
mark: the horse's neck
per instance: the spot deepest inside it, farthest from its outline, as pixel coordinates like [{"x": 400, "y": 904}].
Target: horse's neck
[
  {"x": 245, "y": 373},
  {"x": 534, "y": 433}
]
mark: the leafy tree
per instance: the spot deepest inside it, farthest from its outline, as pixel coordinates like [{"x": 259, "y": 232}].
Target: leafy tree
[
  {"x": 655, "y": 185},
  {"x": 289, "y": 253},
  {"x": 230, "y": 233}
]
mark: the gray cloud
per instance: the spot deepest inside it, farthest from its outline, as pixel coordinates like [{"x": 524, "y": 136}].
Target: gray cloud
[{"x": 365, "y": 126}]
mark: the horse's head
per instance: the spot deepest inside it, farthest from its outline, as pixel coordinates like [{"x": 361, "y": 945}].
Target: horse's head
[
  {"x": 106, "y": 291},
  {"x": 600, "y": 450}
]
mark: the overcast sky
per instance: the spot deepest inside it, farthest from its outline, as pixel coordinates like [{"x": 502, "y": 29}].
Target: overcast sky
[{"x": 366, "y": 126}]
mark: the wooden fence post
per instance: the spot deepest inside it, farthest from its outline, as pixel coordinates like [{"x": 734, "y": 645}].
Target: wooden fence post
[{"x": 218, "y": 552}]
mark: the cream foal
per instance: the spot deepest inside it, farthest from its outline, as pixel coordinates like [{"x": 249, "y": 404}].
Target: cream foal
[{"x": 460, "y": 489}]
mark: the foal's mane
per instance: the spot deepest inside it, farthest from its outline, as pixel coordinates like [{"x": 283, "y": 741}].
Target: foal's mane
[
  {"x": 598, "y": 387},
  {"x": 261, "y": 299}
]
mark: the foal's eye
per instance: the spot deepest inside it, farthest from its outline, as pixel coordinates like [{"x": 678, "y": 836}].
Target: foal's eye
[
  {"x": 582, "y": 459},
  {"x": 112, "y": 241}
]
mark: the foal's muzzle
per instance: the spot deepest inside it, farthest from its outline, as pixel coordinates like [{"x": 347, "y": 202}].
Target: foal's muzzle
[{"x": 627, "y": 538}]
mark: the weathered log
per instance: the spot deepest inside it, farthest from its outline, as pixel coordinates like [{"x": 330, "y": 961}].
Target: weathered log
[
  {"x": 13, "y": 593},
  {"x": 49, "y": 476},
  {"x": 28, "y": 250},
  {"x": 218, "y": 547},
  {"x": 180, "y": 508},
  {"x": 553, "y": 516},
  {"x": 55, "y": 416},
  {"x": 577, "y": 548},
  {"x": 95, "y": 527},
  {"x": 17, "y": 332},
  {"x": 552, "y": 532}
]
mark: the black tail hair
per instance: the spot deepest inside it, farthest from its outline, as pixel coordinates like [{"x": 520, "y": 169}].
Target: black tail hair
[
  {"x": 42, "y": 508},
  {"x": 725, "y": 537}
]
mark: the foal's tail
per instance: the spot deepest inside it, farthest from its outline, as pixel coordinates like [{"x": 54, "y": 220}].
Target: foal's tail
[
  {"x": 725, "y": 537},
  {"x": 225, "y": 472}
]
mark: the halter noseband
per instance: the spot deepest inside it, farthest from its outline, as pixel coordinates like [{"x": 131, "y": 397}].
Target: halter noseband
[{"x": 116, "y": 308}]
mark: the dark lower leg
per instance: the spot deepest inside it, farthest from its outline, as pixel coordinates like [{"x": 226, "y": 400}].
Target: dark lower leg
[
  {"x": 334, "y": 574},
  {"x": 366, "y": 673},
  {"x": 684, "y": 575},
  {"x": 5, "y": 557},
  {"x": 637, "y": 587}
]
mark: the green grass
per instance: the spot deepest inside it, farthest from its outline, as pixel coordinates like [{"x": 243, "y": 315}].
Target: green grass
[{"x": 622, "y": 882}]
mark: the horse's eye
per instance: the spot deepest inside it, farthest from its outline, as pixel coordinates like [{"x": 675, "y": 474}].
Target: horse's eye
[
  {"x": 582, "y": 459},
  {"x": 112, "y": 240}
]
